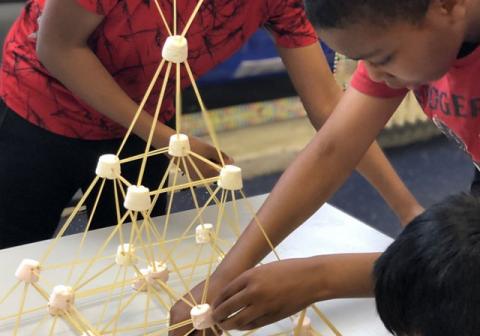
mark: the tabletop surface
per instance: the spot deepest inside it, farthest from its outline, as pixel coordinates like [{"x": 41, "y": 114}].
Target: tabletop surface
[{"x": 328, "y": 231}]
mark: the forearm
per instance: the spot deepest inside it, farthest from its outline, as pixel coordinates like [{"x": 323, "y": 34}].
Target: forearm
[
  {"x": 84, "y": 75},
  {"x": 376, "y": 168},
  {"x": 312, "y": 178},
  {"x": 320, "y": 94},
  {"x": 344, "y": 275}
]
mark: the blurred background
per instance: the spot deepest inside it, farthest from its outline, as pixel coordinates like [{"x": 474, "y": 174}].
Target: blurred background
[{"x": 252, "y": 99}]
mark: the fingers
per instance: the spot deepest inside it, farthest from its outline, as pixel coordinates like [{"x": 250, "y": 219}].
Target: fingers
[
  {"x": 230, "y": 290},
  {"x": 259, "y": 322},
  {"x": 227, "y": 310},
  {"x": 240, "y": 319}
]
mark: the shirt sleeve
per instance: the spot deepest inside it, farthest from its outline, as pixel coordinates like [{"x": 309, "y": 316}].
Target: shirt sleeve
[
  {"x": 289, "y": 24},
  {"x": 101, "y": 7},
  {"x": 363, "y": 83}
]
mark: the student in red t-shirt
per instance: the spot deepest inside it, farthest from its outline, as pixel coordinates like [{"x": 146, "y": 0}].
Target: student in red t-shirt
[
  {"x": 74, "y": 72},
  {"x": 429, "y": 46}
]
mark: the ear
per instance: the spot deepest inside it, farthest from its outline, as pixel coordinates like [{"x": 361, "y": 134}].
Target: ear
[{"x": 454, "y": 8}]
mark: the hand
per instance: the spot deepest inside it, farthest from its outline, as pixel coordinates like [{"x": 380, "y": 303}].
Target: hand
[
  {"x": 181, "y": 311},
  {"x": 266, "y": 294},
  {"x": 208, "y": 152}
]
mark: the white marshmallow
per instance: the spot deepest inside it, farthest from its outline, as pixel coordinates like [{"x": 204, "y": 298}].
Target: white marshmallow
[
  {"x": 28, "y": 271},
  {"x": 61, "y": 300},
  {"x": 151, "y": 276},
  {"x": 231, "y": 178},
  {"x": 108, "y": 167},
  {"x": 203, "y": 233},
  {"x": 202, "y": 316},
  {"x": 137, "y": 198},
  {"x": 140, "y": 283},
  {"x": 305, "y": 329},
  {"x": 159, "y": 273},
  {"x": 175, "y": 49},
  {"x": 179, "y": 145},
  {"x": 126, "y": 255}
]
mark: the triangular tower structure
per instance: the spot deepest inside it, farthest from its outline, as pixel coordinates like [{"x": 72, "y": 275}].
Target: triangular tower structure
[{"x": 126, "y": 284}]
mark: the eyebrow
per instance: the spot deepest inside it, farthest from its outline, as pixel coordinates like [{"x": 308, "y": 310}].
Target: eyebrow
[{"x": 366, "y": 55}]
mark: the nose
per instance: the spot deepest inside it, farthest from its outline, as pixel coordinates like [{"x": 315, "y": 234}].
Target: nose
[{"x": 377, "y": 74}]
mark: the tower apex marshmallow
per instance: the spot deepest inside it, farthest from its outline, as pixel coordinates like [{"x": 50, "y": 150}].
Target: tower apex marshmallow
[{"x": 175, "y": 49}]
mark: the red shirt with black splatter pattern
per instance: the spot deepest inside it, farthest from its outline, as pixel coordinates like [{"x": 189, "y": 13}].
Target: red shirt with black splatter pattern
[{"x": 129, "y": 42}]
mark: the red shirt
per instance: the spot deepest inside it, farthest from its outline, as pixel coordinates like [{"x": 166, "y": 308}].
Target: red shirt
[
  {"x": 452, "y": 102},
  {"x": 129, "y": 42}
]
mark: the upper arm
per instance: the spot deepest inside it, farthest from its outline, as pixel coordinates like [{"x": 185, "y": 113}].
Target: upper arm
[
  {"x": 313, "y": 80},
  {"x": 65, "y": 24}
]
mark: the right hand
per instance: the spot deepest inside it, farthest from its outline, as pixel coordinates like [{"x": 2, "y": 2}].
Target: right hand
[{"x": 180, "y": 311}]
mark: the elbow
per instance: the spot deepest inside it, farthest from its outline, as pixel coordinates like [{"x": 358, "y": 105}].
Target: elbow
[{"x": 43, "y": 51}]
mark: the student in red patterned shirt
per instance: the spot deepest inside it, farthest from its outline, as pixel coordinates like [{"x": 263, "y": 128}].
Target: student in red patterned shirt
[
  {"x": 74, "y": 72},
  {"x": 429, "y": 46}
]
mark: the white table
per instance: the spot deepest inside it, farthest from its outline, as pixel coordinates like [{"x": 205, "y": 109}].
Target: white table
[{"x": 328, "y": 231}]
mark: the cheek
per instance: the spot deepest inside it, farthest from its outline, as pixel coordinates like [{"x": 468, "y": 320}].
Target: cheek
[{"x": 421, "y": 66}]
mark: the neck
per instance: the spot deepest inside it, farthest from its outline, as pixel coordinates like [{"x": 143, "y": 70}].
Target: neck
[{"x": 472, "y": 33}]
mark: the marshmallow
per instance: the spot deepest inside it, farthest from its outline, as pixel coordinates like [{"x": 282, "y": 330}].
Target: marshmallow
[
  {"x": 126, "y": 255},
  {"x": 61, "y": 300},
  {"x": 175, "y": 49},
  {"x": 150, "y": 276},
  {"x": 108, "y": 167},
  {"x": 203, "y": 233},
  {"x": 202, "y": 317},
  {"x": 231, "y": 178},
  {"x": 137, "y": 198},
  {"x": 179, "y": 145},
  {"x": 28, "y": 271},
  {"x": 306, "y": 327},
  {"x": 140, "y": 283},
  {"x": 159, "y": 273}
]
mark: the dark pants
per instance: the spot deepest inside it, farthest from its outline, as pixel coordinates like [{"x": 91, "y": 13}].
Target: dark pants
[
  {"x": 41, "y": 171},
  {"x": 475, "y": 186}
]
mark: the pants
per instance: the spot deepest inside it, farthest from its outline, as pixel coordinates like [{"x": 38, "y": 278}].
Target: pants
[
  {"x": 475, "y": 186},
  {"x": 41, "y": 171}
]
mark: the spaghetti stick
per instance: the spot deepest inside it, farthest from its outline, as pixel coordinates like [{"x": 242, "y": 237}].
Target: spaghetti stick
[
  {"x": 143, "y": 102},
  {"x": 20, "y": 310},
  {"x": 154, "y": 123},
  {"x": 326, "y": 320},
  {"x": 205, "y": 114},
  {"x": 192, "y": 17}
]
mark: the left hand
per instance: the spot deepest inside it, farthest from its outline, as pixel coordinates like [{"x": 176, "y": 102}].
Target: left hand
[{"x": 266, "y": 294}]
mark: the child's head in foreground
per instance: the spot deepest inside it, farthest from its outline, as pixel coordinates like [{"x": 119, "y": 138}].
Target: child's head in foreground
[
  {"x": 428, "y": 280},
  {"x": 405, "y": 43}
]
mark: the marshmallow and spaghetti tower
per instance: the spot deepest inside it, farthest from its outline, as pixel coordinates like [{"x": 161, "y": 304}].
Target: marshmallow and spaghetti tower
[{"x": 127, "y": 283}]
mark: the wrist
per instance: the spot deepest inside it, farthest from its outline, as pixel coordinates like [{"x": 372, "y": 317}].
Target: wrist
[{"x": 408, "y": 214}]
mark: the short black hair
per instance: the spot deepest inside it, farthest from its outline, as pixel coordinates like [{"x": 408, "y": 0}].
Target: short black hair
[
  {"x": 341, "y": 13},
  {"x": 428, "y": 281}
]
